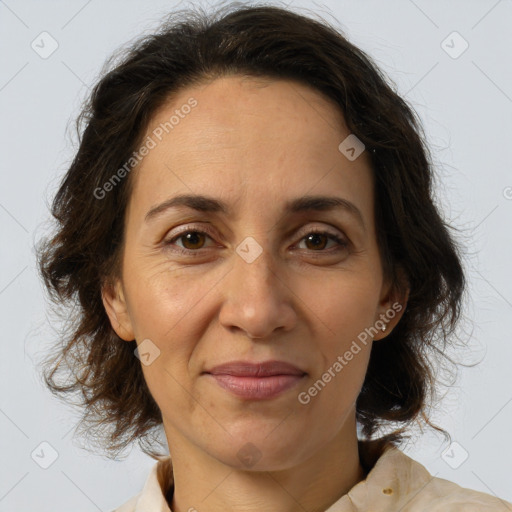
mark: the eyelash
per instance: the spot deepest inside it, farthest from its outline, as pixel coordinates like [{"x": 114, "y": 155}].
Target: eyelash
[{"x": 342, "y": 243}]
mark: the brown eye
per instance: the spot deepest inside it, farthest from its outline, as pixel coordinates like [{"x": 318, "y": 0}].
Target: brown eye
[
  {"x": 316, "y": 241},
  {"x": 192, "y": 240}
]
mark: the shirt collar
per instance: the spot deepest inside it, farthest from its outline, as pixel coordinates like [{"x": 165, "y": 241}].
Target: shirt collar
[{"x": 394, "y": 480}]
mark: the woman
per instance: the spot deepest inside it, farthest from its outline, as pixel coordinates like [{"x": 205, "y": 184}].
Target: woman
[{"x": 249, "y": 232}]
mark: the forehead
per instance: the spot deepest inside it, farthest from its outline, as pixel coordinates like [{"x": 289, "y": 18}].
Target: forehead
[{"x": 239, "y": 135}]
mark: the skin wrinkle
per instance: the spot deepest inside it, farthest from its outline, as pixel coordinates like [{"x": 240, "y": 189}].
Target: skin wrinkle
[{"x": 285, "y": 305}]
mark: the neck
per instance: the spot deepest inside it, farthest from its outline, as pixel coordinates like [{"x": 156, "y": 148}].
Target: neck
[{"x": 202, "y": 482}]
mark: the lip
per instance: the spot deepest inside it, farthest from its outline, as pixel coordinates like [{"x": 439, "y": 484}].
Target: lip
[
  {"x": 261, "y": 369},
  {"x": 256, "y": 381}
]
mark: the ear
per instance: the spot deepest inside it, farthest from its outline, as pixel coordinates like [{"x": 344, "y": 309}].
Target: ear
[
  {"x": 115, "y": 305},
  {"x": 392, "y": 305}
]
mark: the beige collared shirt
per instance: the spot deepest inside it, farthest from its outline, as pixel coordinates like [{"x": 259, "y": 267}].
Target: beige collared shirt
[{"x": 395, "y": 483}]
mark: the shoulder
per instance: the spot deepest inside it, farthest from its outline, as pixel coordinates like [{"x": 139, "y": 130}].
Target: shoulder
[
  {"x": 443, "y": 495},
  {"x": 129, "y": 506},
  {"x": 417, "y": 489}
]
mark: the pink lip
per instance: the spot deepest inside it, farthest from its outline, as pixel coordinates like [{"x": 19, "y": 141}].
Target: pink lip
[{"x": 256, "y": 381}]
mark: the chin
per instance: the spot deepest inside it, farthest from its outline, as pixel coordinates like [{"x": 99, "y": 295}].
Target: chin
[{"x": 259, "y": 450}]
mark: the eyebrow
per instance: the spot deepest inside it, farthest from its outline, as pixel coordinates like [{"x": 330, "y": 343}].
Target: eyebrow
[{"x": 203, "y": 203}]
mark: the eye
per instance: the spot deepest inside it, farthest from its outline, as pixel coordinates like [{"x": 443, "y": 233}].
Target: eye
[
  {"x": 318, "y": 240},
  {"x": 191, "y": 240}
]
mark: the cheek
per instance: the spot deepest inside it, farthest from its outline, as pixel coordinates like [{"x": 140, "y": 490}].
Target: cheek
[
  {"x": 172, "y": 308},
  {"x": 344, "y": 303},
  {"x": 344, "y": 307},
  {"x": 163, "y": 298}
]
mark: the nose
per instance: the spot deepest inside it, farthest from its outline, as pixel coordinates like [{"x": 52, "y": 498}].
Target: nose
[{"x": 257, "y": 300}]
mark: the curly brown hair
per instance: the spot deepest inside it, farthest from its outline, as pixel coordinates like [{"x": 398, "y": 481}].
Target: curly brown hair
[{"x": 84, "y": 253}]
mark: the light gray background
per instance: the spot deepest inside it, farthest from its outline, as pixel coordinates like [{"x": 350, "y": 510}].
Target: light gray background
[{"x": 466, "y": 106}]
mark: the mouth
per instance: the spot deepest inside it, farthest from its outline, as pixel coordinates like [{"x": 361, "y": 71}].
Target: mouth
[{"x": 256, "y": 381}]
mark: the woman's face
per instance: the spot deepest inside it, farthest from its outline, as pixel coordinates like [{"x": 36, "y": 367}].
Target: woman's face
[{"x": 272, "y": 255}]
